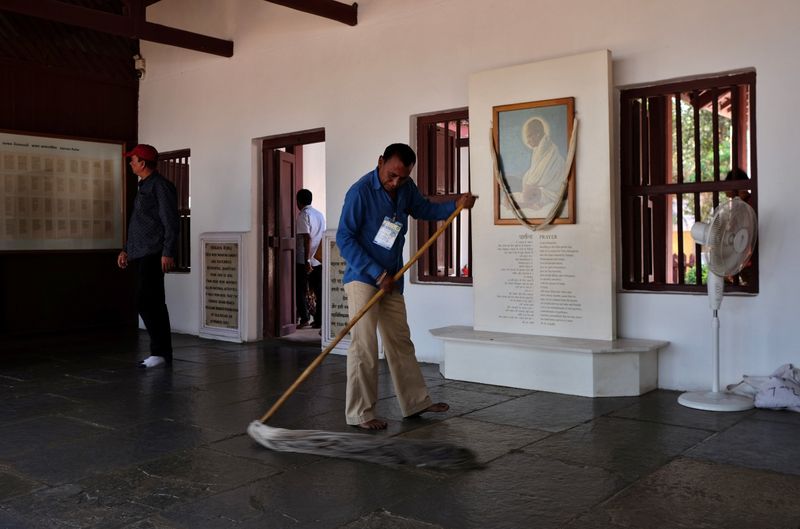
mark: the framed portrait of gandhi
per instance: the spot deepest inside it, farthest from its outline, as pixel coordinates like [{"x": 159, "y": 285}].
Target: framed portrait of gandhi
[
  {"x": 532, "y": 143},
  {"x": 60, "y": 193}
]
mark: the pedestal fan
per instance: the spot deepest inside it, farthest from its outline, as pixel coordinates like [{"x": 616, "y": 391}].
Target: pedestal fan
[{"x": 729, "y": 238}]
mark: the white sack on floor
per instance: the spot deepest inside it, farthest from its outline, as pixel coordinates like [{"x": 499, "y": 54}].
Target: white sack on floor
[{"x": 780, "y": 390}]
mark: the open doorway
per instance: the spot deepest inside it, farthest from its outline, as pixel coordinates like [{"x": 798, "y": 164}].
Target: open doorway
[{"x": 290, "y": 163}]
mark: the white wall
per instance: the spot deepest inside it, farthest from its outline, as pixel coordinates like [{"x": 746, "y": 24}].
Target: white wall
[
  {"x": 314, "y": 174},
  {"x": 293, "y": 71}
]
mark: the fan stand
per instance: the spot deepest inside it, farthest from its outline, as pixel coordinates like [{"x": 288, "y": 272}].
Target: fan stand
[{"x": 715, "y": 400}]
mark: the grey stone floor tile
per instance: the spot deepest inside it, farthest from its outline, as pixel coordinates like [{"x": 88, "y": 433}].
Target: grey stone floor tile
[
  {"x": 487, "y": 388},
  {"x": 119, "y": 415},
  {"x": 37, "y": 434},
  {"x": 12, "y": 484},
  {"x": 234, "y": 418},
  {"x": 72, "y": 461},
  {"x": 122, "y": 406},
  {"x": 235, "y": 390},
  {"x": 487, "y": 441},
  {"x": 461, "y": 402},
  {"x": 108, "y": 374},
  {"x": 690, "y": 494},
  {"x": 182, "y": 340},
  {"x": 433, "y": 382},
  {"x": 515, "y": 491},
  {"x": 662, "y": 407},
  {"x": 152, "y": 522},
  {"x": 128, "y": 384},
  {"x": 755, "y": 444},
  {"x": 430, "y": 370},
  {"x": 550, "y": 411},
  {"x": 206, "y": 373},
  {"x": 323, "y": 495},
  {"x": 31, "y": 406},
  {"x": 71, "y": 505},
  {"x": 627, "y": 448},
  {"x": 211, "y": 357},
  {"x": 11, "y": 387},
  {"x": 11, "y": 520},
  {"x": 791, "y": 417},
  {"x": 177, "y": 478},
  {"x": 387, "y": 520}
]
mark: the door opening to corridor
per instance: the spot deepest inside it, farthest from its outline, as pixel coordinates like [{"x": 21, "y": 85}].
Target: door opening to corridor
[{"x": 285, "y": 158}]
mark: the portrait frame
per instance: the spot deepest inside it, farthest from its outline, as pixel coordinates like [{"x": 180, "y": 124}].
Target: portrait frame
[{"x": 533, "y": 173}]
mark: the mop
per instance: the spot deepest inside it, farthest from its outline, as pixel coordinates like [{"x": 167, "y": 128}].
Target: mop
[{"x": 362, "y": 447}]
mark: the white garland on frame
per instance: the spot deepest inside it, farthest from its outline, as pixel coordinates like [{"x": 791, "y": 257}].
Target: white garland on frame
[{"x": 501, "y": 181}]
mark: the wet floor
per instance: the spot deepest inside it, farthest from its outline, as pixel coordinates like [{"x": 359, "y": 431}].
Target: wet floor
[{"x": 88, "y": 440}]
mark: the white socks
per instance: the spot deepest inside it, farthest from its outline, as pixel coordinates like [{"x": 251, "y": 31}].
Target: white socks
[{"x": 152, "y": 361}]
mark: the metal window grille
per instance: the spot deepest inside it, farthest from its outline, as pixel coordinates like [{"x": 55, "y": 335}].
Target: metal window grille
[
  {"x": 443, "y": 174},
  {"x": 679, "y": 141},
  {"x": 174, "y": 166}
]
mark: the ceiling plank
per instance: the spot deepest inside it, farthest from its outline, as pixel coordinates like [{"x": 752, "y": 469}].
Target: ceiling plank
[
  {"x": 127, "y": 26},
  {"x": 346, "y": 14},
  {"x": 185, "y": 39},
  {"x": 71, "y": 15}
]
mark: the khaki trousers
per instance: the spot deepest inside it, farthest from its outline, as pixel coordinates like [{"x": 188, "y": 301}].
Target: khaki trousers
[{"x": 388, "y": 315}]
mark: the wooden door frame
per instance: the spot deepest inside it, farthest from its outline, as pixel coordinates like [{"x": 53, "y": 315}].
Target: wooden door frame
[{"x": 293, "y": 143}]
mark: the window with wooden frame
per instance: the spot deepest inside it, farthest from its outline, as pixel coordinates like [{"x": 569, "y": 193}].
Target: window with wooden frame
[
  {"x": 685, "y": 147},
  {"x": 443, "y": 174},
  {"x": 174, "y": 166}
]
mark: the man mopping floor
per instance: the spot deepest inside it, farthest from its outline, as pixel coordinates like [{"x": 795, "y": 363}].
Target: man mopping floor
[
  {"x": 380, "y": 449},
  {"x": 371, "y": 236}
]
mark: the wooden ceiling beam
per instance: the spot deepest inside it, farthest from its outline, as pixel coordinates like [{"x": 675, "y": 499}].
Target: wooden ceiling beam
[
  {"x": 185, "y": 39},
  {"x": 132, "y": 26},
  {"x": 346, "y": 14}
]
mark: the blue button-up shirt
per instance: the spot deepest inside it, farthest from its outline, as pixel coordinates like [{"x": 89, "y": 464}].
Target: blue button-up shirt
[
  {"x": 365, "y": 207},
  {"x": 153, "y": 228}
]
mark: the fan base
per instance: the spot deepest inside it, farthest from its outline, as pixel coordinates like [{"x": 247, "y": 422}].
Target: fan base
[{"x": 715, "y": 401}]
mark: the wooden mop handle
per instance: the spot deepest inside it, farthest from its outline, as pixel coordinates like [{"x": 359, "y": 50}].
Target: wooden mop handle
[{"x": 342, "y": 333}]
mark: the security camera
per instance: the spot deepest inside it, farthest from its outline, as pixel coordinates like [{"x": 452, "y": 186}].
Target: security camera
[{"x": 139, "y": 66}]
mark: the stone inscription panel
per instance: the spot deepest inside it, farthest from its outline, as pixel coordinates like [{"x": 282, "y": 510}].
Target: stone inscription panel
[{"x": 222, "y": 285}]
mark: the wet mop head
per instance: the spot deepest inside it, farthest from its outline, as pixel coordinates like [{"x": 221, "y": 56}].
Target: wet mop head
[{"x": 370, "y": 448}]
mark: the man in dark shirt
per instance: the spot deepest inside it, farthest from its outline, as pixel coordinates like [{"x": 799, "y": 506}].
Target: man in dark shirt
[{"x": 152, "y": 244}]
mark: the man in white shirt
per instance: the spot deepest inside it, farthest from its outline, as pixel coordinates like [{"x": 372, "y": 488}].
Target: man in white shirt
[{"x": 310, "y": 226}]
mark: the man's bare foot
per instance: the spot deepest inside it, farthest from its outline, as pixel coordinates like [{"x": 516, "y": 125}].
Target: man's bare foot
[{"x": 374, "y": 424}]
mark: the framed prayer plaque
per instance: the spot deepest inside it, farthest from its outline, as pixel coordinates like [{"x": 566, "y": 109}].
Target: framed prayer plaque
[
  {"x": 222, "y": 285},
  {"x": 59, "y": 193},
  {"x": 335, "y": 314},
  {"x": 532, "y": 144}
]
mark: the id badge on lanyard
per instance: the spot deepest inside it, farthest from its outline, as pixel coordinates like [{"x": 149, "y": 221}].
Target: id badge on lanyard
[{"x": 387, "y": 233}]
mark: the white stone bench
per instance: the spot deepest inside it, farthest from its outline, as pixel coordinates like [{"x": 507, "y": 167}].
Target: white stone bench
[{"x": 589, "y": 368}]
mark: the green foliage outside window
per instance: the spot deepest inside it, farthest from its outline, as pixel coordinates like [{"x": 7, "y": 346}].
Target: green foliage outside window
[
  {"x": 690, "y": 171},
  {"x": 691, "y": 275}
]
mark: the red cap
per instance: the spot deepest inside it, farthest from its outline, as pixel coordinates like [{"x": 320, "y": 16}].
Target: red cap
[{"x": 144, "y": 152}]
